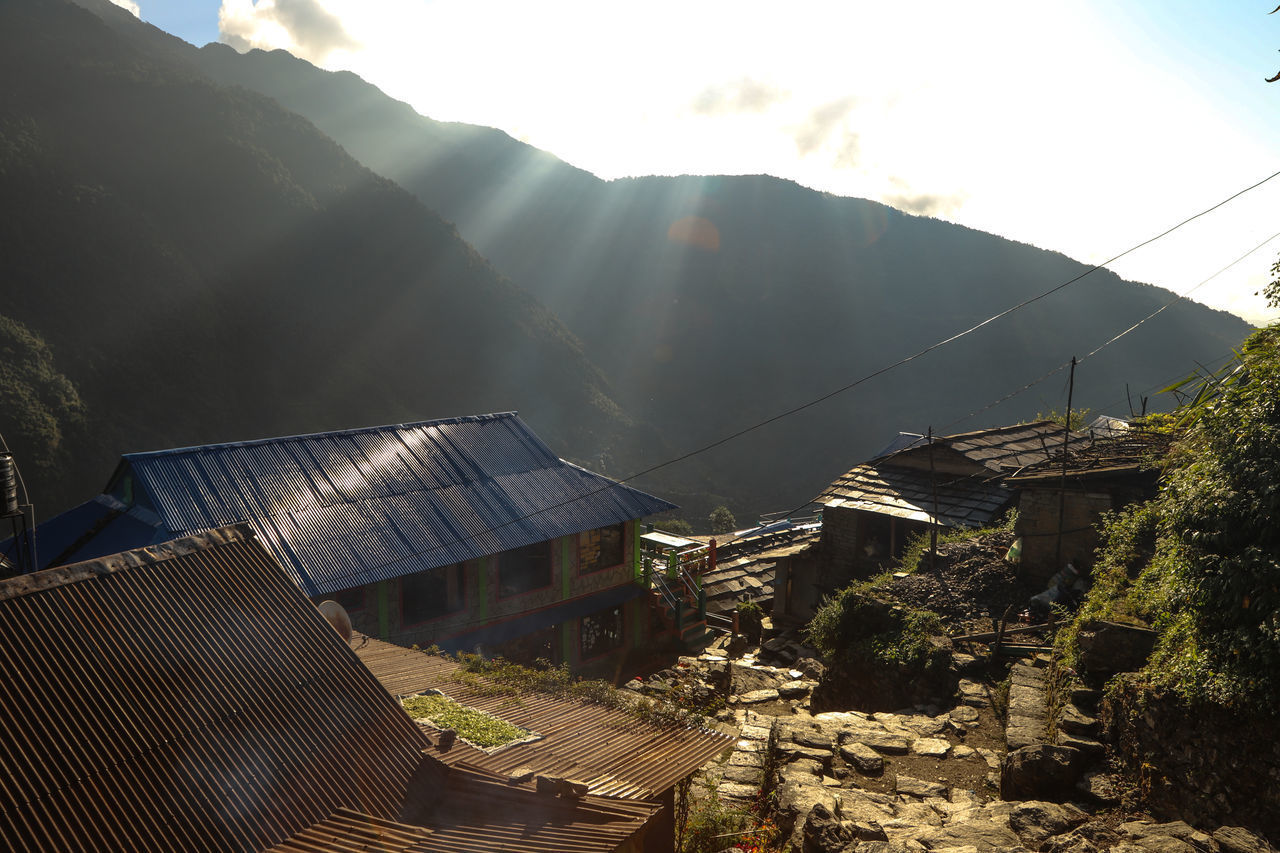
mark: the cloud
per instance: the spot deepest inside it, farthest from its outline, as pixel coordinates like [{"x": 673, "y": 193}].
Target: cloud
[
  {"x": 922, "y": 204},
  {"x": 129, "y": 6},
  {"x": 822, "y": 123},
  {"x": 744, "y": 95},
  {"x": 303, "y": 27}
]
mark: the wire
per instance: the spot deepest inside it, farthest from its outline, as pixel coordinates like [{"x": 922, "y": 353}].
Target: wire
[
  {"x": 823, "y": 398},
  {"x": 1114, "y": 338}
]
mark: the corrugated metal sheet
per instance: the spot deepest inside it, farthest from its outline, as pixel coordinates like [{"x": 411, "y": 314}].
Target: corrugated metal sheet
[
  {"x": 345, "y": 509},
  {"x": 613, "y": 752},
  {"x": 185, "y": 697},
  {"x": 909, "y": 493}
]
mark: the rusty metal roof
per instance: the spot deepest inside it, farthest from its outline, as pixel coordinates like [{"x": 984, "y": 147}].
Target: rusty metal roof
[
  {"x": 345, "y": 509},
  {"x": 613, "y": 752},
  {"x": 185, "y": 697},
  {"x": 962, "y": 501}
]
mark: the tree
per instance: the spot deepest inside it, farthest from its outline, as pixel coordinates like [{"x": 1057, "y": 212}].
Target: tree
[{"x": 722, "y": 521}]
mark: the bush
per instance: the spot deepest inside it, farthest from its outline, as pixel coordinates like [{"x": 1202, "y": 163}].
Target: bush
[{"x": 853, "y": 628}]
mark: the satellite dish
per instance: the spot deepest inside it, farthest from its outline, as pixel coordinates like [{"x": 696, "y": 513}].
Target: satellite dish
[{"x": 336, "y": 615}]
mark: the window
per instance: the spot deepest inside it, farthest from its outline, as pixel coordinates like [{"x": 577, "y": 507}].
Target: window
[
  {"x": 601, "y": 549},
  {"x": 524, "y": 569},
  {"x": 350, "y": 599},
  {"x": 600, "y": 632},
  {"x": 432, "y": 594}
]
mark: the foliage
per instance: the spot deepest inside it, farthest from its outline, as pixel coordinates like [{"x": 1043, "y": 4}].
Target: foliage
[
  {"x": 1201, "y": 562},
  {"x": 37, "y": 403},
  {"x": 853, "y": 627},
  {"x": 676, "y": 526},
  {"x": 712, "y": 827},
  {"x": 479, "y": 728},
  {"x": 750, "y": 619},
  {"x": 722, "y": 520},
  {"x": 500, "y": 677},
  {"x": 916, "y": 553},
  {"x": 1079, "y": 417}
]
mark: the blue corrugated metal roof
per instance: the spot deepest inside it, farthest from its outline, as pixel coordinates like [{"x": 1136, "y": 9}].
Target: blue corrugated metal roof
[
  {"x": 344, "y": 509},
  {"x": 91, "y": 530}
]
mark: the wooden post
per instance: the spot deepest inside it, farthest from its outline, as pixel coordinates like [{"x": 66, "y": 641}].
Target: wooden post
[{"x": 933, "y": 527}]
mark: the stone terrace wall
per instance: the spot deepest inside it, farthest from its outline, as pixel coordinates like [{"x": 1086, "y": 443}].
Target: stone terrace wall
[{"x": 1208, "y": 766}]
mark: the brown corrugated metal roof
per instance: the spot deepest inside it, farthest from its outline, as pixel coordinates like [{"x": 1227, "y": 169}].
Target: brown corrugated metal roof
[
  {"x": 613, "y": 752},
  {"x": 185, "y": 697}
]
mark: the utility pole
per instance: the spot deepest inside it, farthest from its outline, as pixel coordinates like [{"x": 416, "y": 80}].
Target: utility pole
[
  {"x": 1062, "y": 488},
  {"x": 933, "y": 528}
]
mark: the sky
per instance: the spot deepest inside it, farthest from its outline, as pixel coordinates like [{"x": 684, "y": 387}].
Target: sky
[{"x": 1084, "y": 126}]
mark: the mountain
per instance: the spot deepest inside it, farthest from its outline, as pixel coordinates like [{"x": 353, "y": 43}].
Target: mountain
[
  {"x": 188, "y": 263},
  {"x": 713, "y": 303}
]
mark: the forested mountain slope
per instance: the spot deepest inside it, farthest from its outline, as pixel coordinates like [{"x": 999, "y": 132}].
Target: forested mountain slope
[
  {"x": 186, "y": 263},
  {"x": 714, "y": 302}
]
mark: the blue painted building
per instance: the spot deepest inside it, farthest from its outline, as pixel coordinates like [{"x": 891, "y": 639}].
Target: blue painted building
[{"x": 460, "y": 532}]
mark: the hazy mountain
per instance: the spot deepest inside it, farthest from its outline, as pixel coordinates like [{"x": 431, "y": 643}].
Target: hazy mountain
[
  {"x": 186, "y": 263},
  {"x": 713, "y": 303}
]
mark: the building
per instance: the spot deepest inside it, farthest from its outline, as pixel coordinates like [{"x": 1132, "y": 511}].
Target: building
[
  {"x": 142, "y": 717},
  {"x": 464, "y": 533},
  {"x": 871, "y": 512}
]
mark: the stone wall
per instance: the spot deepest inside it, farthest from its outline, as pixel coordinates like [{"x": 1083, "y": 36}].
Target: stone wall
[
  {"x": 1205, "y": 765},
  {"x": 1038, "y": 526}
]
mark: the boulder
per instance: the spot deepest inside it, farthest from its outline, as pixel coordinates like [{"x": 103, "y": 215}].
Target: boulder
[
  {"x": 862, "y": 757},
  {"x": 1040, "y": 772},
  {"x": 1036, "y": 821},
  {"x": 1237, "y": 839},
  {"x": 931, "y": 747},
  {"x": 824, "y": 832}
]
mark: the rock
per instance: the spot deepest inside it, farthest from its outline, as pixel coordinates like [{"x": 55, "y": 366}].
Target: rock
[
  {"x": 1074, "y": 721},
  {"x": 742, "y": 775},
  {"x": 1039, "y": 772},
  {"x": 919, "y": 787},
  {"x": 863, "y": 757},
  {"x": 1086, "y": 696},
  {"x": 1088, "y": 746},
  {"x": 979, "y": 834},
  {"x": 793, "y": 751},
  {"x": 755, "y": 697},
  {"x": 1110, "y": 647},
  {"x": 824, "y": 832},
  {"x": 882, "y": 741},
  {"x": 1100, "y": 786},
  {"x": 962, "y": 751},
  {"x": 1172, "y": 837},
  {"x": 801, "y": 770},
  {"x": 811, "y": 668},
  {"x": 1035, "y": 821},
  {"x": 796, "y": 689},
  {"x": 811, "y": 738},
  {"x": 964, "y": 714},
  {"x": 1237, "y": 839},
  {"x": 930, "y": 747}
]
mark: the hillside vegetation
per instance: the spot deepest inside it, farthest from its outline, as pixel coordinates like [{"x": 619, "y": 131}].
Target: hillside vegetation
[
  {"x": 716, "y": 302},
  {"x": 1201, "y": 562},
  {"x": 187, "y": 263}
]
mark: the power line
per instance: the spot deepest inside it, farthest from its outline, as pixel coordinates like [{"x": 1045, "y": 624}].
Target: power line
[
  {"x": 823, "y": 398},
  {"x": 1114, "y": 338}
]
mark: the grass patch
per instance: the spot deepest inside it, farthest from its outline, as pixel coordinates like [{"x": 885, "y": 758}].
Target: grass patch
[{"x": 476, "y": 727}]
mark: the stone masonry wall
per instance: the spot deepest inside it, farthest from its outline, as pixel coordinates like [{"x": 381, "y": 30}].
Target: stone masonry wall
[{"x": 1208, "y": 766}]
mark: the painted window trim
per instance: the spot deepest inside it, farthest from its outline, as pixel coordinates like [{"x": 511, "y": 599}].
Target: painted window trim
[{"x": 585, "y": 573}]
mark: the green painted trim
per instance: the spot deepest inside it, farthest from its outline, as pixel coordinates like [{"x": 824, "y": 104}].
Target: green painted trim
[
  {"x": 384, "y": 609},
  {"x": 637, "y": 570},
  {"x": 482, "y": 588},
  {"x": 566, "y": 582}
]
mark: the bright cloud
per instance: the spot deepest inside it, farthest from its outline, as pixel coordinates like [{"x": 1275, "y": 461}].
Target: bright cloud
[
  {"x": 129, "y": 6},
  {"x": 305, "y": 28},
  {"x": 1078, "y": 128}
]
